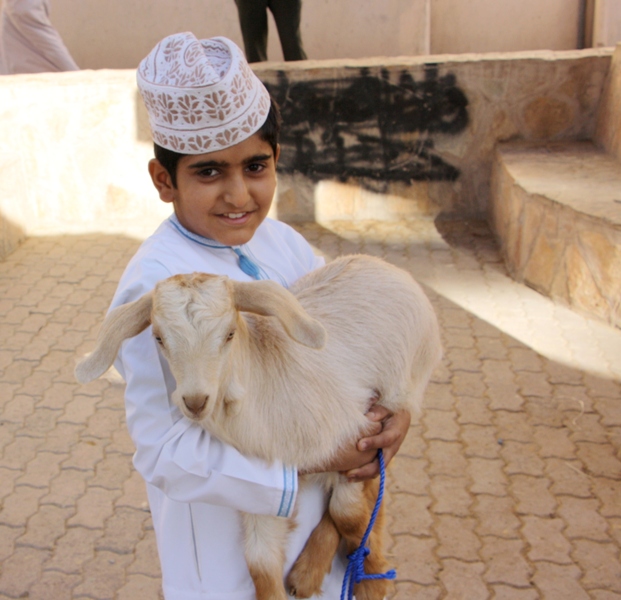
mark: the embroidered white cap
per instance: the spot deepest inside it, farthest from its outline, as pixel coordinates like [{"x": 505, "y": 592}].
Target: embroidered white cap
[{"x": 201, "y": 95}]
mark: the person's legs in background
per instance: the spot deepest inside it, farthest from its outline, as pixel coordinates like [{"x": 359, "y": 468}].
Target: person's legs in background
[
  {"x": 253, "y": 23},
  {"x": 287, "y": 15}
]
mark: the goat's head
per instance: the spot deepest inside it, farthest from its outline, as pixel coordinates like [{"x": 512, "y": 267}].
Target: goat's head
[{"x": 195, "y": 319}]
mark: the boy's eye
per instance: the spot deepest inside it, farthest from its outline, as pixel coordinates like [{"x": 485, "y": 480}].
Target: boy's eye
[
  {"x": 209, "y": 172},
  {"x": 256, "y": 167}
]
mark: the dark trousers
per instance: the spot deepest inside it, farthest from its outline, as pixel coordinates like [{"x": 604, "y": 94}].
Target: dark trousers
[{"x": 253, "y": 23}]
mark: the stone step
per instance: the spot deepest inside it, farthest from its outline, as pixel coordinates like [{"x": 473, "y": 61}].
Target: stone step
[{"x": 556, "y": 209}]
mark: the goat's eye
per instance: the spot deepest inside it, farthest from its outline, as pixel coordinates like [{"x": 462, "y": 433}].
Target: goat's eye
[
  {"x": 229, "y": 337},
  {"x": 158, "y": 339}
]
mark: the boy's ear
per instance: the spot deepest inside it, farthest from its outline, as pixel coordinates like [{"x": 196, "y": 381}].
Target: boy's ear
[
  {"x": 276, "y": 154},
  {"x": 162, "y": 181}
]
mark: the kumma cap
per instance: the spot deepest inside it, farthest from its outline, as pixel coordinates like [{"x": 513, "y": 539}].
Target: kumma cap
[{"x": 201, "y": 95}]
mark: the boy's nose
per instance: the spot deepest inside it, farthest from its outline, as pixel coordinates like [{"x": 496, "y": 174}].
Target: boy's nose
[{"x": 236, "y": 192}]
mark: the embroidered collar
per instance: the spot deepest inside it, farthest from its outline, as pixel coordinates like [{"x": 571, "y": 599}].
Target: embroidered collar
[{"x": 245, "y": 263}]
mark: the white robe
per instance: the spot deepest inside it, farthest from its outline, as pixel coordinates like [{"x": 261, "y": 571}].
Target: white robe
[
  {"x": 196, "y": 484},
  {"x": 28, "y": 41}
]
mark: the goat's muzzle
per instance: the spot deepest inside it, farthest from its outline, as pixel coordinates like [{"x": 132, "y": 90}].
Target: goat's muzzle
[{"x": 195, "y": 403}]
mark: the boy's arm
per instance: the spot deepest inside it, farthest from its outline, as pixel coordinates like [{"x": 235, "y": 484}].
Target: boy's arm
[{"x": 179, "y": 456}]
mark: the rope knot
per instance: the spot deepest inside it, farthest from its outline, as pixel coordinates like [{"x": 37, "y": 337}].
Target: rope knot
[{"x": 355, "y": 572}]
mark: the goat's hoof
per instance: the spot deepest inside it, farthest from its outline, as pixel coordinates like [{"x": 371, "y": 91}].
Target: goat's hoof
[
  {"x": 301, "y": 587},
  {"x": 293, "y": 592},
  {"x": 298, "y": 594}
]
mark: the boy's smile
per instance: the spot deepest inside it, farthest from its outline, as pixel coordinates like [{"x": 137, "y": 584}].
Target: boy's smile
[{"x": 223, "y": 195}]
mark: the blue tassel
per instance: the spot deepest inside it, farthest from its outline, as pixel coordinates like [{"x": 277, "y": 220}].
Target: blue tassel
[{"x": 246, "y": 265}]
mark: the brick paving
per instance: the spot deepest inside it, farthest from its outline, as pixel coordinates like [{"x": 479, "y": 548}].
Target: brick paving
[{"x": 508, "y": 486}]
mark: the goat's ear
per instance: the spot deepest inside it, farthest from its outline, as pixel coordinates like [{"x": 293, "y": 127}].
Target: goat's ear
[
  {"x": 270, "y": 299},
  {"x": 123, "y": 322}
]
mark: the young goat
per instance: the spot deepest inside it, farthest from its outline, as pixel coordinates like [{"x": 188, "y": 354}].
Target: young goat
[{"x": 252, "y": 360}]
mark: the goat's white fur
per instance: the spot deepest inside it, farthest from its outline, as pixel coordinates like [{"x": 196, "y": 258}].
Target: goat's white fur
[{"x": 286, "y": 374}]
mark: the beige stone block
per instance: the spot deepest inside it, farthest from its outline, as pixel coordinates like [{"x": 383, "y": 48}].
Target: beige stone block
[
  {"x": 498, "y": 198},
  {"x": 140, "y": 586},
  {"x": 445, "y": 458},
  {"x": 532, "y": 495},
  {"x": 546, "y": 540},
  {"x": 104, "y": 575},
  {"x": 409, "y": 476},
  {"x": 608, "y": 133},
  {"x": 456, "y": 536},
  {"x": 600, "y": 564},
  {"x": 21, "y": 570},
  {"x": 505, "y": 563},
  {"x": 146, "y": 559},
  {"x": 546, "y": 117},
  {"x": 515, "y": 215},
  {"x": 451, "y": 496},
  {"x": 583, "y": 519},
  {"x": 542, "y": 266},
  {"x": 417, "y": 559},
  {"x": 583, "y": 290},
  {"x": 54, "y": 585},
  {"x": 464, "y": 579},
  {"x": 603, "y": 255},
  {"x": 599, "y": 460},
  {"x": 336, "y": 201},
  {"x": 533, "y": 213},
  {"x": 559, "y": 581},
  {"x": 487, "y": 476},
  {"x": 496, "y": 517},
  {"x": 522, "y": 459},
  {"x": 11, "y": 236},
  {"x": 559, "y": 287},
  {"x": 568, "y": 478}
]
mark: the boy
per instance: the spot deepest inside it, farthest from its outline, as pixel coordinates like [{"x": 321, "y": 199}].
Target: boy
[{"x": 216, "y": 146}]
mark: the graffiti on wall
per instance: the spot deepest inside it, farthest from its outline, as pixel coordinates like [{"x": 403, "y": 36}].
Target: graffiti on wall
[{"x": 369, "y": 127}]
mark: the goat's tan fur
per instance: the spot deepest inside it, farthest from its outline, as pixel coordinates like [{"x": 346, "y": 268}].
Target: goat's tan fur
[{"x": 289, "y": 375}]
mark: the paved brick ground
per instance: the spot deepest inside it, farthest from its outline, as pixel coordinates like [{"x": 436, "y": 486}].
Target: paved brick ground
[{"x": 508, "y": 486}]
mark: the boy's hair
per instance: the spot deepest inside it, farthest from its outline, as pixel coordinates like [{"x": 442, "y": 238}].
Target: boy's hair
[{"x": 269, "y": 132}]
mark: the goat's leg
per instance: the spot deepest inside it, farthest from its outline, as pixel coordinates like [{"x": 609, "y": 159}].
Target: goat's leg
[
  {"x": 315, "y": 561},
  {"x": 265, "y": 543},
  {"x": 351, "y": 506}
]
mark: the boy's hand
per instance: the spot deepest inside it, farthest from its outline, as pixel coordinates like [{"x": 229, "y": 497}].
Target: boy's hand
[
  {"x": 394, "y": 429},
  {"x": 358, "y": 461}
]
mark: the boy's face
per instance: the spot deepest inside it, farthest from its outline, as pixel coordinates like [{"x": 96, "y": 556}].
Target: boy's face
[{"x": 223, "y": 195}]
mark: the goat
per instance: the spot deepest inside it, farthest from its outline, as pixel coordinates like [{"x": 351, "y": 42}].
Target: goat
[{"x": 252, "y": 359}]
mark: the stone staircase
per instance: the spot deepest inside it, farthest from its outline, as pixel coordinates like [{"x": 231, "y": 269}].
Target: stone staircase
[{"x": 556, "y": 211}]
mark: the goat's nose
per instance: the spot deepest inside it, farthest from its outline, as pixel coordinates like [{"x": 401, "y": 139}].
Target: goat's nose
[{"x": 195, "y": 403}]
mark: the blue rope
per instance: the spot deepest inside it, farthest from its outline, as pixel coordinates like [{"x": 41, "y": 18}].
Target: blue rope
[{"x": 355, "y": 572}]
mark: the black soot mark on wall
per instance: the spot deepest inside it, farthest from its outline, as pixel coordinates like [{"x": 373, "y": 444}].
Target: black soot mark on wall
[{"x": 358, "y": 128}]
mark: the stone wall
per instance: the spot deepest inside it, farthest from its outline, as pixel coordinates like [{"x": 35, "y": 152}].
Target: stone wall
[
  {"x": 73, "y": 155},
  {"x": 557, "y": 217},
  {"x": 423, "y": 130},
  {"x": 608, "y": 133},
  {"x": 379, "y": 138},
  {"x": 556, "y": 211}
]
